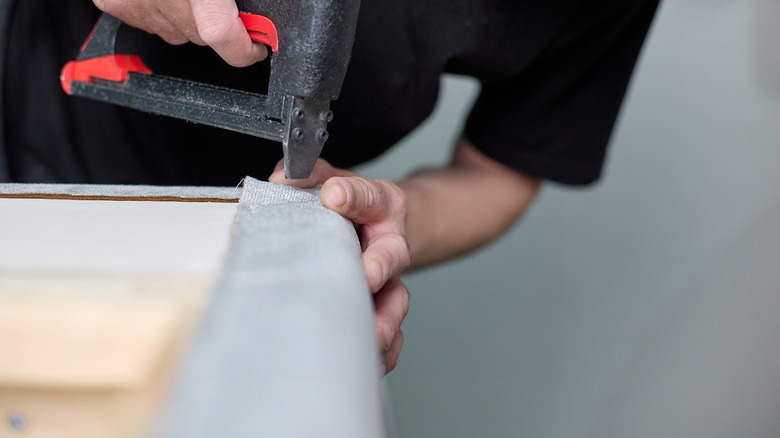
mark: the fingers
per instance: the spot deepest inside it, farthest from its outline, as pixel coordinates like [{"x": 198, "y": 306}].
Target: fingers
[
  {"x": 179, "y": 16},
  {"x": 390, "y": 357},
  {"x": 380, "y": 207},
  {"x": 145, "y": 16},
  {"x": 392, "y": 306},
  {"x": 205, "y": 22},
  {"x": 220, "y": 27},
  {"x": 364, "y": 200},
  {"x": 385, "y": 256}
]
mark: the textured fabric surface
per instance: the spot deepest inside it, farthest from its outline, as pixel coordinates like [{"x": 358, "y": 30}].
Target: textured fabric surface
[
  {"x": 92, "y": 191},
  {"x": 287, "y": 347}
]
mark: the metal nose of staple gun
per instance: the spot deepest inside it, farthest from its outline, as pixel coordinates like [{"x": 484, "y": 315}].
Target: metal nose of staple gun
[{"x": 310, "y": 45}]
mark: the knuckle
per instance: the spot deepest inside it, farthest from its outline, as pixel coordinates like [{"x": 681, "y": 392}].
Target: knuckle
[
  {"x": 375, "y": 198},
  {"x": 102, "y": 5},
  {"x": 386, "y": 259},
  {"x": 176, "y": 39},
  {"x": 369, "y": 194},
  {"x": 214, "y": 29},
  {"x": 386, "y": 334},
  {"x": 173, "y": 38},
  {"x": 237, "y": 62},
  {"x": 361, "y": 198},
  {"x": 192, "y": 34},
  {"x": 405, "y": 301},
  {"x": 400, "y": 307},
  {"x": 395, "y": 194},
  {"x": 400, "y": 251},
  {"x": 393, "y": 254}
]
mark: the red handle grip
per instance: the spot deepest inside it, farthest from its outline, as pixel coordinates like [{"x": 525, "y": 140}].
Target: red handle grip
[{"x": 261, "y": 29}]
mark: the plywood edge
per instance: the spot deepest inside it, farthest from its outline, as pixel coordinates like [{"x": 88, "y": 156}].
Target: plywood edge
[{"x": 92, "y": 333}]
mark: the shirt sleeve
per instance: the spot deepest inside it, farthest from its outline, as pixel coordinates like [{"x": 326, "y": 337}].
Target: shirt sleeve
[{"x": 553, "y": 118}]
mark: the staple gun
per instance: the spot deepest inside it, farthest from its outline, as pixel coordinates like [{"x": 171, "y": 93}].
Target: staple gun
[{"x": 310, "y": 44}]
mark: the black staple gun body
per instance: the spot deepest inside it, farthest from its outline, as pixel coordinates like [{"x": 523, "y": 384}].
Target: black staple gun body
[{"x": 310, "y": 43}]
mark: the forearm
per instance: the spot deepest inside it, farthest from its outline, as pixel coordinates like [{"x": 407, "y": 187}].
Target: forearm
[{"x": 454, "y": 210}]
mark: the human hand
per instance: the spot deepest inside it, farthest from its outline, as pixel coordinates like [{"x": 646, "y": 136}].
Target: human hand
[
  {"x": 378, "y": 207},
  {"x": 204, "y": 22}
]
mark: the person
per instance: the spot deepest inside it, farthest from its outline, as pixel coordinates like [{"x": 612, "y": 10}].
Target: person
[{"x": 553, "y": 74}]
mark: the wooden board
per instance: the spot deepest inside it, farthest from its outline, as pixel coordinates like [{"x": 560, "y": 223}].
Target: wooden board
[{"x": 97, "y": 299}]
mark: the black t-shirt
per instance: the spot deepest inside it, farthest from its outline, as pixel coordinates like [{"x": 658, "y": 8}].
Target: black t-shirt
[{"x": 552, "y": 72}]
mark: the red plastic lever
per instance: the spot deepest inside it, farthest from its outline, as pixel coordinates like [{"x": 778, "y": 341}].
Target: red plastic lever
[
  {"x": 116, "y": 67},
  {"x": 261, "y": 29},
  {"x": 109, "y": 67}
]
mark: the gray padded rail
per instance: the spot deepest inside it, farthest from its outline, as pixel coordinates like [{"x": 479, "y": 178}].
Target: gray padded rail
[{"x": 287, "y": 347}]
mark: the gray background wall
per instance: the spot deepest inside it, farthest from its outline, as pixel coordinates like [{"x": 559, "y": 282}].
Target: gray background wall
[{"x": 645, "y": 306}]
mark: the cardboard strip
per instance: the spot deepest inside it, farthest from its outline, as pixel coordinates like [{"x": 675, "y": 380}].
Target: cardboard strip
[
  {"x": 114, "y": 198},
  {"x": 118, "y": 192}
]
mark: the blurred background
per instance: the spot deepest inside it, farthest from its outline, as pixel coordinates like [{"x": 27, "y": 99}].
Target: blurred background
[{"x": 647, "y": 305}]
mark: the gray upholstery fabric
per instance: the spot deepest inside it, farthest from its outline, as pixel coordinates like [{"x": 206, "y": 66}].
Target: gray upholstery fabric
[
  {"x": 287, "y": 347},
  {"x": 121, "y": 191}
]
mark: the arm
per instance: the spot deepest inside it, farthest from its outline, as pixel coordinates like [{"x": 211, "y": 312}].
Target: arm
[
  {"x": 431, "y": 216},
  {"x": 455, "y": 210}
]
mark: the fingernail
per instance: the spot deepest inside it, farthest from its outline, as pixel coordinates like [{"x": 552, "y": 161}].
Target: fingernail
[
  {"x": 337, "y": 196},
  {"x": 382, "y": 370}
]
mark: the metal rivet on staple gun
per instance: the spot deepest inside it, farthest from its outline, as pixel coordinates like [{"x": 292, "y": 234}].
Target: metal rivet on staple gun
[
  {"x": 298, "y": 113},
  {"x": 17, "y": 421},
  {"x": 297, "y": 134},
  {"x": 322, "y": 135},
  {"x": 326, "y": 116}
]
